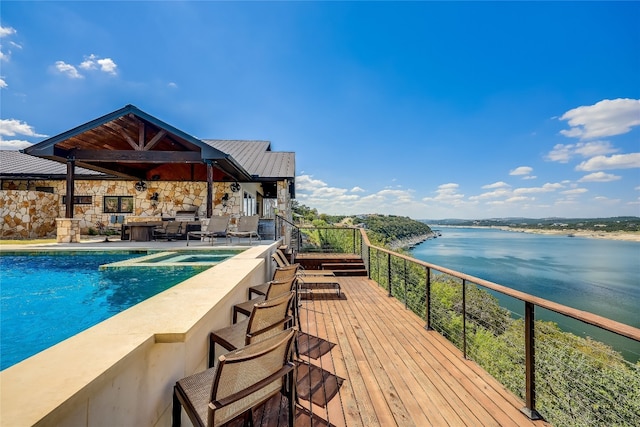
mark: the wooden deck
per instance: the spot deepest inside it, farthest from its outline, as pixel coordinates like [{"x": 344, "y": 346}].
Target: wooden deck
[{"x": 367, "y": 361}]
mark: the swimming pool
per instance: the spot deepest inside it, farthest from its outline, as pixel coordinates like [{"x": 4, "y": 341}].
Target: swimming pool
[{"x": 46, "y": 297}]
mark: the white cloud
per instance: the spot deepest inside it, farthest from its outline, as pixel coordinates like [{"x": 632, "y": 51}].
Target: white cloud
[
  {"x": 499, "y": 184},
  {"x": 68, "y": 70},
  {"x": 13, "y": 127},
  {"x": 518, "y": 199},
  {"x": 575, "y": 191},
  {"x": 562, "y": 153},
  {"x": 548, "y": 187},
  {"x": 399, "y": 195},
  {"x": 599, "y": 177},
  {"x": 93, "y": 62},
  {"x": 605, "y": 118},
  {"x": 447, "y": 193},
  {"x": 3, "y": 83},
  {"x": 521, "y": 170},
  {"x": 500, "y": 192},
  {"x": 307, "y": 183},
  {"x": 333, "y": 200},
  {"x": 90, "y": 63},
  {"x": 13, "y": 144},
  {"x": 617, "y": 161},
  {"x": 173, "y": 85},
  {"x": 607, "y": 201},
  {"x": 6, "y": 31},
  {"x": 107, "y": 65}
]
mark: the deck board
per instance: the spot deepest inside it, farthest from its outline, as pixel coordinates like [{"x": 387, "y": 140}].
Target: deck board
[
  {"x": 395, "y": 372},
  {"x": 398, "y": 372}
]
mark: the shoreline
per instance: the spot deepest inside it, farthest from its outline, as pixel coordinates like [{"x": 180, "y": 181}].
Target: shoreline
[{"x": 589, "y": 234}]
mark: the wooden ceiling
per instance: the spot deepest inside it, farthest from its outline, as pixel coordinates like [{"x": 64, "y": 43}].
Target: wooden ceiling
[{"x": 132, "y": 144}]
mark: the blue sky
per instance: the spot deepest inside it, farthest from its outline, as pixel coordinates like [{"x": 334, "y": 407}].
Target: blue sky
[{"x": 424, "y": 109}]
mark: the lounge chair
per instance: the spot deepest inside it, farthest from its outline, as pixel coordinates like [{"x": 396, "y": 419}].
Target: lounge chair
[
  {"x": 275, "y": 289},
  {"x": 172, "y": 230},
  {"x": 266, "y": 319},
  {"x": 240, "y": 381},
  {"x": 281, "y": 273},
  {"x": 217, "y": 227},
  {"x": 247, "y": 227},
  {"x": 281, "y": 260},
  {"x": 305, "y": 281}
]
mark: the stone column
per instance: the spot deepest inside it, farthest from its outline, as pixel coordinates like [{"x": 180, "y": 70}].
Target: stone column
[{"x": 68, "y": 230}]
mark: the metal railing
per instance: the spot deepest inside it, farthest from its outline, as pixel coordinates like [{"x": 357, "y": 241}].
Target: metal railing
[{"x": 561, "y": 377}]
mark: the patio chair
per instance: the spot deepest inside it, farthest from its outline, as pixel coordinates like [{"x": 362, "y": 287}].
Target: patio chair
[
  {"x": 266, "y": 319},
  {"x": 217, "y": 227},
  {"x": 281, "y": 273},
  {"x": 240, "y": 381},
  {"x": 172, "y": 230},
  {"x": 275, "y": 288},
  {"x": 247, "y": 227},
  {"x": 305, "y": 281},
  {"x": 281, "y": 260}
]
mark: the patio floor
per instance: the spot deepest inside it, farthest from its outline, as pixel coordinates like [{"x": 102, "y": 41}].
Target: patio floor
[{"x": 367, "y": 361}]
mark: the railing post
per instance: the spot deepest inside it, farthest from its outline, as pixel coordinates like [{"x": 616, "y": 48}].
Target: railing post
[
  {"x": 368, "y": 258},
  {"x": 378, "y": 266},
  {"x": 354, "y": 240},
  {"x": 464, "y": 318},
  {"x": 428, "y": 300},
  {"x": 406, "y": 303},
  {"x": 389, "y": 271},
  {"x": 529, "y": 361}
]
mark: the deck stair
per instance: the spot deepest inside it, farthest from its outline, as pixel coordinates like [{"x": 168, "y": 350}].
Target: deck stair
[
  {"x": 356, "y": 268},
  {"x": 339, "y": 264}
]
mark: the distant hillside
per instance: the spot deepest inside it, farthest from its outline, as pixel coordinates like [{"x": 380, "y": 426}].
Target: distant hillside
[
  {"x": 622, "y": 223},
  {"x": 387, "y": 230}
]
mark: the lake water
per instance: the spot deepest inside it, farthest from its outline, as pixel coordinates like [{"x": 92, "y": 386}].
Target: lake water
[{"x": 595, "y": 275}]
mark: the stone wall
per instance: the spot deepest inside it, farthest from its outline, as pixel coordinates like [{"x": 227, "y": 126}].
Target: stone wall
[{"x": 28, "y": 213}]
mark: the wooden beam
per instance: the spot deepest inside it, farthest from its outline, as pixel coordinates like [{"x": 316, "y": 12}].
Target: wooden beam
[
  {"x": 154, "y": 141},
  {"x": 129, "y": 156},
  {"x": 141, "y": 135},
  {"x": 127, "y": 138}
]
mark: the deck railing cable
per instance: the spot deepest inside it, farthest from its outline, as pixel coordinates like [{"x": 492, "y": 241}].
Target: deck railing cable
[{"x": 562, "y": 377}]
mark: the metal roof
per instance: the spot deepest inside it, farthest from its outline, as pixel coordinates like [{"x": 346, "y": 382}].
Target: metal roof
[
  {"x": 20, "y": 165},
  {"x": 257, "y": 158}
]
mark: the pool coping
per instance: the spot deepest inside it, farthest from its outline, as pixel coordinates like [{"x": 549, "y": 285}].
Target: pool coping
[{"x": 123, "y": 368}]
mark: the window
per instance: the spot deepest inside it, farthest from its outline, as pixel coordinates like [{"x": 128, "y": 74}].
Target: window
[
  {"x": 79, "y": 200},
  {"x": 249, "y": 204},
  {"x": 118, "y": 204}
]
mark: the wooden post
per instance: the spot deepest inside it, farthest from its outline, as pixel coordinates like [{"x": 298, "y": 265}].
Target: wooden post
[
  {"x": 71, "y": 163},
  {"x": 209, "y": 188}
]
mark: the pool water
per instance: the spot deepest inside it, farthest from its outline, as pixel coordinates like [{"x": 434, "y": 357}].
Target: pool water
[{"x": 48, "y": 297}]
